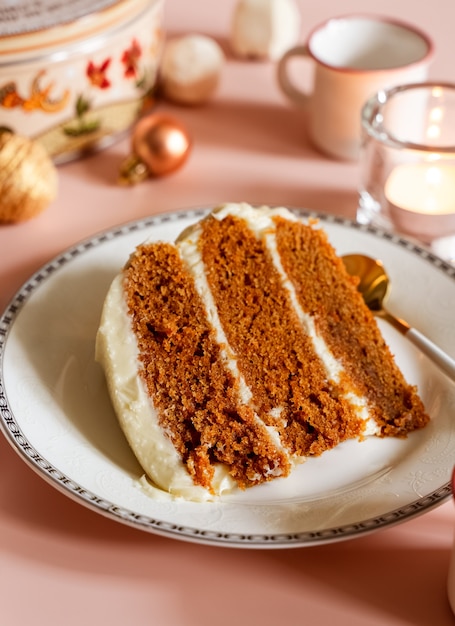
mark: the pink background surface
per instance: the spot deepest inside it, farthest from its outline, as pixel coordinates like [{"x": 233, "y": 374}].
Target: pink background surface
[{"x": 63, "y": 564}]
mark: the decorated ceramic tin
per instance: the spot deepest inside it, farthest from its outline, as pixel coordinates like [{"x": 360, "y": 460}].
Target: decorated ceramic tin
[{"x": 73, "y": 76}]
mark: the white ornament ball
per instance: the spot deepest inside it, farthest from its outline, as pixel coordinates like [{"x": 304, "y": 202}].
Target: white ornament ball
[
  {"x": 265, "y": 29},
  {"x": 191, "y": 68}
]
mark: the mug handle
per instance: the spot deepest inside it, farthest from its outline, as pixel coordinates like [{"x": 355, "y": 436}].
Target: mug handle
[{"x": 298, "y": 96}]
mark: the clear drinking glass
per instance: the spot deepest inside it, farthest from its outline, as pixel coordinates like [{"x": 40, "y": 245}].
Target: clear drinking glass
[{"x": 408, "y": 161}]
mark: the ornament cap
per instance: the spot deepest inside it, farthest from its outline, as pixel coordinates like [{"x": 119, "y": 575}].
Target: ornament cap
[{"x": 132, "y": 171}]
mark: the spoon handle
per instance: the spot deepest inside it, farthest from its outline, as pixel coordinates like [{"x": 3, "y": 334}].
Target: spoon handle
[
  {"x": 430, "y": 349},
  {"x": 438, "y": 356}
]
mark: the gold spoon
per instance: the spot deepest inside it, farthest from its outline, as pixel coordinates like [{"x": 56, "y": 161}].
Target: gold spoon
[{"x": 374, "y": 286}]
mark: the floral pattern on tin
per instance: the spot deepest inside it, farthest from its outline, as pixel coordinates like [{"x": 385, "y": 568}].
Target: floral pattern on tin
[
  {"x": 97, "y": 74},
  {"x": 130, "y": 59},
  {"x": 39, "y": 97}
]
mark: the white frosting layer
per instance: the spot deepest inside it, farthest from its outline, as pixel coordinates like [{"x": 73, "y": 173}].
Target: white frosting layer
[
  {"x": 333, "y": 368},
  {"x": 189, "y": 252},
  {"x": 116, "y": 350}
]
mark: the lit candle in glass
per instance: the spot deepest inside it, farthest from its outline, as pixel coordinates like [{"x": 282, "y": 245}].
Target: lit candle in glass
[
  {"x": 408, "y": 161},
  {"x": 423, "y": 188},
  {"x": 421, "y": 198}
]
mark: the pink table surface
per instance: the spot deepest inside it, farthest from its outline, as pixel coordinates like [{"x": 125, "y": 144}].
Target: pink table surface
[{"x": 63, "y": 564}]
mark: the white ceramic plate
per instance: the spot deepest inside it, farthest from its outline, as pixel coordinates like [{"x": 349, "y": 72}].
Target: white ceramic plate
[{"x": 56, "y": 413}]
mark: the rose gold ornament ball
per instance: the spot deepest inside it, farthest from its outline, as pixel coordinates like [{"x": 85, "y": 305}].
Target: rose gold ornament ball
[{"x": 161, "y": 142}]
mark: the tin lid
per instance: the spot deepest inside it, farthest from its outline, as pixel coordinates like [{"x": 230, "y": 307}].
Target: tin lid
[
  {"x": 18, "y": 17},
  {"x": 32, "y": 28}
]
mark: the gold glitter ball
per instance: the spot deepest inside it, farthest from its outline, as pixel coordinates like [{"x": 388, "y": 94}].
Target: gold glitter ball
[{"x": 28, "y": 178}]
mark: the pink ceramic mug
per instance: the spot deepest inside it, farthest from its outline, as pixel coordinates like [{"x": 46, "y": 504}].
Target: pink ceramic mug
[{"x": 354, "y": 56}]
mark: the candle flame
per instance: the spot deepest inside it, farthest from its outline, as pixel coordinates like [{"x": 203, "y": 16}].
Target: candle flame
[{"x": 433, "y": 176}]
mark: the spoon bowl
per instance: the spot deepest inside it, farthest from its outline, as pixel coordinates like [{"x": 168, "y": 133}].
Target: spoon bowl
[{"x": 374, "y": 285}]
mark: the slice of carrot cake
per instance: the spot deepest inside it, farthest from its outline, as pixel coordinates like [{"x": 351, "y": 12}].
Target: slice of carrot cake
[{"x": 243, "y": 348}]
